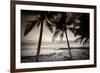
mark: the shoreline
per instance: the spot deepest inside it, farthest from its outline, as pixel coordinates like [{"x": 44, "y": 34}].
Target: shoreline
[{"x": 77, "y": 54}]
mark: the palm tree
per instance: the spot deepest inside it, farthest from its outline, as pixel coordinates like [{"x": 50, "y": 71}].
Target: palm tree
[
  {"x": 42, "y": 17},
  {"x": 82, "y": 29},
  {"x": 64, "y": 22},
  {"x": 61, "y": 28}
]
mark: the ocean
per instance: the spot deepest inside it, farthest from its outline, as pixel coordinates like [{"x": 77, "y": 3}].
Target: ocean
[{"x": 30, "y": 48}]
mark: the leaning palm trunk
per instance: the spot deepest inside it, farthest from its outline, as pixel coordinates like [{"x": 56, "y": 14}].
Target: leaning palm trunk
[
  {"x": 39, "y": 42},
  {"x": 68, "y": 44}
]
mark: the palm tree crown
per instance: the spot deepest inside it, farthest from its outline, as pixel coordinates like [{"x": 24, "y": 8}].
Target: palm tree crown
[
  {"x": 82, "y": 29},
  {"x": 42, "y": 17}
]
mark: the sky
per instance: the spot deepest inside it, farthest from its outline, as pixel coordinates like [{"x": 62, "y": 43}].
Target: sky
[
  {"x": 47, "y": 35},
  {"x": 34, "y": 34}
]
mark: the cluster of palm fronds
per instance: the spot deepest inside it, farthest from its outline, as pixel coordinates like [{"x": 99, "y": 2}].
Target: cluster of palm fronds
[
  {"x": 59, "y": 23},
  {"x": 81, "y": 28}
]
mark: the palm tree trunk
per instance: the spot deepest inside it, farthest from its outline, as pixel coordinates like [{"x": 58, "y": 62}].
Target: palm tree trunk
[
  {"x": 39, "y": 42},
  {"x": 68, "y": 43}
]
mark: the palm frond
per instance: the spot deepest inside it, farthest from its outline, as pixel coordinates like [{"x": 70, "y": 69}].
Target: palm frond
[
  {"x": 51, "y": 20},
  {"x": 29, "y": 27},
  {"x": 85, "y": 41},
  {"x": 38, "y": 23},
  {"x": 82, "y": 39},
  {"x": 72, "y": 29},
  {"x": 61, "y": 35},
  {"x": 79, "y": 39},
  {"x": 56, "y": 33},
  {"x": 49, "y": 25}
]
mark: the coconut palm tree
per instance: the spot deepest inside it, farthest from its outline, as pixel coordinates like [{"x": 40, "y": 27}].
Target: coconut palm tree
[
  {"x": 64, "y": 22},
  {"x": 82, "y": 29},
  {"x": 42, "y": 17},
  {"x": 61, "y": 28}
]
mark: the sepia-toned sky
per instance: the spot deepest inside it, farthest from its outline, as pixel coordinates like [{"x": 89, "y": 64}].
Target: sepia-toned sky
[{"x": 34, "y": 34}]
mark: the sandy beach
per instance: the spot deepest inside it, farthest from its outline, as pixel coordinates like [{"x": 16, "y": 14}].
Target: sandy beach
[{"x": 61, "y": 54}]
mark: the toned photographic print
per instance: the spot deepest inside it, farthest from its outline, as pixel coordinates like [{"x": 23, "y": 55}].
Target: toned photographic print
[
  {"x": 52, "y": 36},
  {"x": 48, "y": 36}
]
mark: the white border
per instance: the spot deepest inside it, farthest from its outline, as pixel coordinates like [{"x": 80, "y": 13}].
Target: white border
[{"x": 52, "y": 64}]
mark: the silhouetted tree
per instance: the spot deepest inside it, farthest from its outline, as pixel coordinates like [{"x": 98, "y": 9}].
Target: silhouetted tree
[
  {"x": 64, "y": 22},
  {"x": 42, "y": 17},
  {"x": 82, "y": 29},
  {"x": 61, "y": 28}
]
